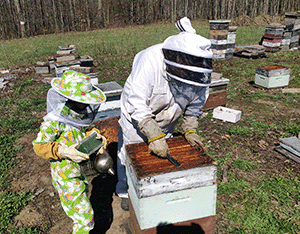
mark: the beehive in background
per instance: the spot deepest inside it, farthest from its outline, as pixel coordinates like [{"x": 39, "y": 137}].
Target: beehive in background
[
  {"x": 272, "y": 76},
  {"x": 218, "y": 35},
  {"x": 162, "y": 194},
  {"x": 286, "y": 38},
  {"x": 273, "y": 37},
  {"x": 292, "y": 22},
  {"x": 91, "y": 71},
  {"x": 230, "y": 42},
  {"x": 112, "y": 107},
  {"x": 217, "y": 91},
  {"x": 64, "y": 59}
]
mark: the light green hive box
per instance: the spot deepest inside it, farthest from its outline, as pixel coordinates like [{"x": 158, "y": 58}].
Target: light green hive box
[
  {"x": 172, "y": 197},
  {"x": 272, "y": 82},
  {"x": 174, "y": 207}
]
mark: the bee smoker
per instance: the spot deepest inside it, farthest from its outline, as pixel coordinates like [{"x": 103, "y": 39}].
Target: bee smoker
[{"x": 100, "y": 163}]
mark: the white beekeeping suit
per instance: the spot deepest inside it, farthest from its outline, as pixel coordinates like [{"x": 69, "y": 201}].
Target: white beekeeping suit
[{"x": 168, "y": 80}]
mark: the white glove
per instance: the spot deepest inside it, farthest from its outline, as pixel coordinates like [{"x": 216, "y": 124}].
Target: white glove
[
  {"x": 104, "y": 141},
  {"x": 71, "y": 153},
  {"x": 157, "y": 142},
  {"x": 159, "y": 147}
]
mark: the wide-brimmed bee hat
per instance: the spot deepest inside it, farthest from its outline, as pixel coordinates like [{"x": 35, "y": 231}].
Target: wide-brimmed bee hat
[{"x": 78, "y": 87}]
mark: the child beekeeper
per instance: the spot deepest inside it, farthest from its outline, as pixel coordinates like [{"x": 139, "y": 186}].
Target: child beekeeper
[{"x": 72, "y": 104}]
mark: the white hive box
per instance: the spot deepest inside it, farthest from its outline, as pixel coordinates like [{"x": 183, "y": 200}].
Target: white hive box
[
  {"x": 161, "y": 193},
  {"x": 112, "y": 107},
  {"x": 227, "y": 114},
  {"x": 272, "y": 76}
]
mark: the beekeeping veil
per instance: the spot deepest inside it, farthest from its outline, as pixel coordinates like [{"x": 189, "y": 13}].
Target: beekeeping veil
[
  {"x": 65, "y": 92},
  {"x": 188, "y": 56}
]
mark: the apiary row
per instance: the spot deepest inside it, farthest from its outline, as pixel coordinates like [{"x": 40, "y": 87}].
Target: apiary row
[{"x": 283, "y": 37}]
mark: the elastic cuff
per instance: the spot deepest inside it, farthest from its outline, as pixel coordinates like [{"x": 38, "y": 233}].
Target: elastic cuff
[
  {"x": 190, "y": 131},
  {"x": 157, "y": 137}
]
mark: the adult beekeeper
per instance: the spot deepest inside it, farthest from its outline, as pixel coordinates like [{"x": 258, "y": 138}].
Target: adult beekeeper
[
  {"x": 72, "y": 104},
  {"x": 167, "y": 81}
]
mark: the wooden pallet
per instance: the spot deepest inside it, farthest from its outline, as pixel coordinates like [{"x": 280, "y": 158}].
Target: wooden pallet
[{"x": 288, "y": 154}]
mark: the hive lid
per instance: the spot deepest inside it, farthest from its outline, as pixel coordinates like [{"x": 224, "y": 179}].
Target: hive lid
[
  {"x": 272, "y": 67},
  {"x": 220, "y": 21},
  {"x": 110, "y": 88},
  {"x": 294, "y": 14},
  {"x": 217, "y": 82},
  {"x": 146, "y": 164}
]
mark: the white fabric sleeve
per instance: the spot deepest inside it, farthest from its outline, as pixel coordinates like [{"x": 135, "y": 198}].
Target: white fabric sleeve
[{"x": 141, "y": 82}]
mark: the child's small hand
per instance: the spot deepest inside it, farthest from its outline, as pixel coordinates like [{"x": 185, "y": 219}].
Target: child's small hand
[
  {"x": 104, "y": 141},
  {"x": 71, "y": 153}
]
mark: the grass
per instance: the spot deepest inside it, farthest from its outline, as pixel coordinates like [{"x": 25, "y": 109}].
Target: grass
[
  {"x": 257, "y": 204},
  {"x": 18, "y": 118},
  {"x": 258, "y": 208}
]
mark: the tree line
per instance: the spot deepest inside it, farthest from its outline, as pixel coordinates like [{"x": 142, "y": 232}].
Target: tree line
[{"x": 25, "y": 18}]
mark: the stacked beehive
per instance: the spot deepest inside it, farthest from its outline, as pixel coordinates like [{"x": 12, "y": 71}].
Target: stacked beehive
[
  {"x": 161, "y": 194},
  {"x": 286, "y": 38},
  {"x": 230, "y": 42},
  {"x": 64, "y": 59},
  {"x": 292, "y": 22},
  {"x": 273, "y": 37},
  {"x": 218, "y": 34}
]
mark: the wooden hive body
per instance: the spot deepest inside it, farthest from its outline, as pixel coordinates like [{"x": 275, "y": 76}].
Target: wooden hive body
[{"x": 158, "y": 189}]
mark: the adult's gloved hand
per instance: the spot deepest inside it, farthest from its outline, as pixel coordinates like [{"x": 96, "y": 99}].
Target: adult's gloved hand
[
  {"x": 159, "y": 147},
  {"x": 104, "y": 141},
  {"x": 156, "y": 140},
  {"x": 70, "y": 152},
  {"x": 189, "y": 126},
  {"x": 193, "y": 139}
]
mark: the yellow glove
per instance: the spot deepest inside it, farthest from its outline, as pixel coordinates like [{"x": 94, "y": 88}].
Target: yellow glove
[
  {"x": 103, "y": 139},
  {"x": 70, "y": 152}
]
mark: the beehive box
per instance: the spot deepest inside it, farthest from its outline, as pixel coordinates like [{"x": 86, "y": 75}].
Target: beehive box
[
  {"x": 231, "y": 35},
  {"x": 218, "y": 34},
  {"x": 219, "y": 24},
  {"x": 272, "y": 76},
  {"x": 112, "y": 106},
  {"x": 162, "y": 193},
  {"x": 271, "y": 43},
  {"x": 86, "y": 61},
  {"x": 274, "y": 29},
  {"x": 292, "y": 18},
  {"x": 205, "y": 225},
  {"x": 217, "y": 93}
]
